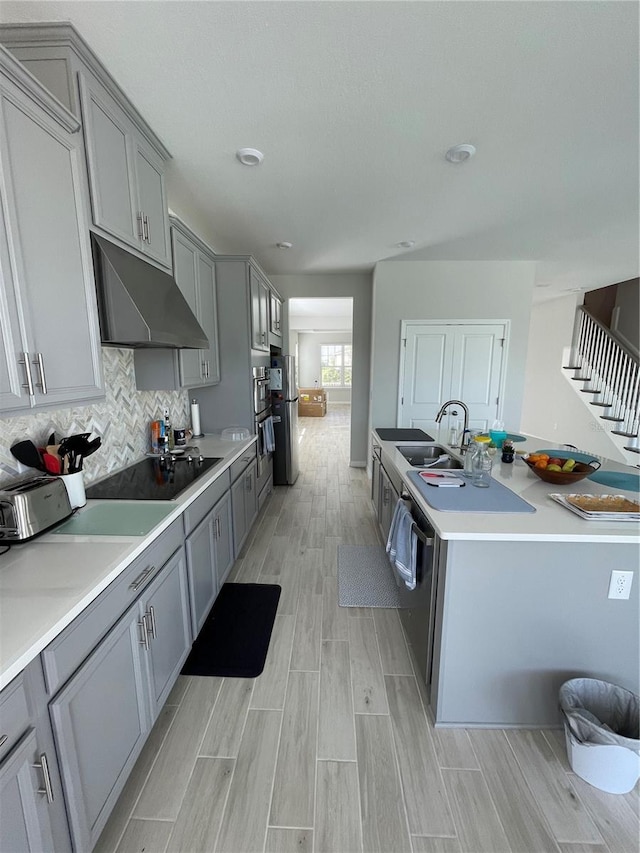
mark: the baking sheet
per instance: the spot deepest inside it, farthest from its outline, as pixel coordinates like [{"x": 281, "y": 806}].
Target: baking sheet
[{"x": 594, "y": 516}]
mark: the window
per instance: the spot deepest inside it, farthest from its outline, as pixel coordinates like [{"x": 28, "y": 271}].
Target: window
[{"x": 335, "y": 362}]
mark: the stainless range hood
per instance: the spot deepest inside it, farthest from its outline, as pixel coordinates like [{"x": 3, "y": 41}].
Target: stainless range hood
[{"x": 139, "y": 305}]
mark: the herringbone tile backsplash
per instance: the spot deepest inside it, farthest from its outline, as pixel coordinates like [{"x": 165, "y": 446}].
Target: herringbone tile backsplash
[{"x": 121, "y": 420}]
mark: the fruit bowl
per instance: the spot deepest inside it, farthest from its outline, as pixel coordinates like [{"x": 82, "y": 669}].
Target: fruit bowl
[{"x": 563, "y": 478}]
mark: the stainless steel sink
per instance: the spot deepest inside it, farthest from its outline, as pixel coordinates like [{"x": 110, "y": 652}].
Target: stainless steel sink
[{"x": 425, "y": 456}]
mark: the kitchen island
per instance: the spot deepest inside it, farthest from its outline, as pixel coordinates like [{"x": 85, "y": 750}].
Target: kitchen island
[{"x": 519, "y": 600}]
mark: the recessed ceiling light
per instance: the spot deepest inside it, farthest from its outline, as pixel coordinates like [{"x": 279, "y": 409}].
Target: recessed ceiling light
[
  {"x": 406, "y": 244},
  {"x": 460, "y": 153},
  {"x": 249, "y": 156},
  {"x": 284, "y": 245}
]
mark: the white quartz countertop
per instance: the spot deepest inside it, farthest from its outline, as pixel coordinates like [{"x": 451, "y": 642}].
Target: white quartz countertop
[
  {"x": 550, "y": 522},
  {"x": 47, "y": 582}
]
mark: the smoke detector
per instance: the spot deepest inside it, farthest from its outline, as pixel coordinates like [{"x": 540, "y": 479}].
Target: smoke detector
[
  {"x": 460, "y": 153},
  {"x": 249, "y": 156},
  {"x": 284, "y": 244},
  {"x": 406, "y": 244}
]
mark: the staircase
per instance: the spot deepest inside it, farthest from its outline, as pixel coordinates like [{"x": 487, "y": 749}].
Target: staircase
[{"x": 608, "y": 374}]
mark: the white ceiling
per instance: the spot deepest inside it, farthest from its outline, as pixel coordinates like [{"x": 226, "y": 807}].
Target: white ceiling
[{"x": 354, "y": 105}]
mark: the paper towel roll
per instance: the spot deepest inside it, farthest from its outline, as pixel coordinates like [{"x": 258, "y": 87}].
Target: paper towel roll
[{"x": 195, "y": 418}]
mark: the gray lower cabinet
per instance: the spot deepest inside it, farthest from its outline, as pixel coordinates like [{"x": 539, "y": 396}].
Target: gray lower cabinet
[
  {"x": 209, "y": 559},
  {"x": 101, "y": 720},
  {"x": 103, "y": 714},
  {"x": 165, "y": 615},
  {"x": 25, "y": 824},
  {"x": 244, "y": 502},
  {"x": 50, "y": 340},
  {"x": 32, "y": 810},
  {"x": 194, "y": 271}
]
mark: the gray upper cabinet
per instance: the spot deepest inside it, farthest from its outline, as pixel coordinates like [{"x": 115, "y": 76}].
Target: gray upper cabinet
[
  {"x": 194, "y": 271},
  {"x": 275, "y": 316},
  {"x": 125, "y": 159},
  {"x": 126, "y": 178},
  {"x": 259, "y": 311},
  {"x": 50, "y": 351}
]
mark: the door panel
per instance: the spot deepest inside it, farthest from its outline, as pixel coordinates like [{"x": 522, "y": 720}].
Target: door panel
[
  {"x": 185, "y": 265},
  {"x": 152, "y": 201},
  {"x": 208, "y": 316},
  {"x": 441, "y": 362},
  {"x": 109, "y": 170}
]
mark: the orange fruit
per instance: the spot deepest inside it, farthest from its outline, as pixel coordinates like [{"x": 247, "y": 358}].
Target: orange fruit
[{"x": 541, "y": 463}]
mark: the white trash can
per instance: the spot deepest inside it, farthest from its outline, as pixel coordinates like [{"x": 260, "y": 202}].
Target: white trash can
[{"x": 602, "y": 731}]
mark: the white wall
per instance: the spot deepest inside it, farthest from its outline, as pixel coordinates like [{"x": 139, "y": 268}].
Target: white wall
[
  {"x": 551, "y": 409},
  {"x": 358, "y": 287},
  {"x": 309, "y": 367},
  {"x": 448, "y": 290}
]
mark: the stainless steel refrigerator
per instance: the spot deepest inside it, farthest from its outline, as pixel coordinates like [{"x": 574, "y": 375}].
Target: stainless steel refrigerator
[{"x": 284, "y": 407}]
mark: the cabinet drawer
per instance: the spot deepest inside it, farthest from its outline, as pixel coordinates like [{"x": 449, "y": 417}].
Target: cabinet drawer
[
  {"x": 194, "y": 513},
  {"x": 242, "y": 463},
  {"x": 64, "y": 655},
  {"x": 14, "y": 714}
]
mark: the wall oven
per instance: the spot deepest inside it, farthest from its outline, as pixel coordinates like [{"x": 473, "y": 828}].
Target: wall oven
[
  {"x": 261, "y": 396},
  {"x": 260, "y": 424},
  {"x": 261, "y": 412}
]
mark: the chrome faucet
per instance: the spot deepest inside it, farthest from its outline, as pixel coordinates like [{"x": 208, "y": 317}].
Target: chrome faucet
[{"x": 465, "y": 431}]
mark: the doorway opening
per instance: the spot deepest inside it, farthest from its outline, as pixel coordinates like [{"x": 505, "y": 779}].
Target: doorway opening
[{"x": 321, "y": 339}]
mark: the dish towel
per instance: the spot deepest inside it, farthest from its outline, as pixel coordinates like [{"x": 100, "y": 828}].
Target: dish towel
[
  {"x": 269, "y": 435},
  {"x": 402, "y": 544}
]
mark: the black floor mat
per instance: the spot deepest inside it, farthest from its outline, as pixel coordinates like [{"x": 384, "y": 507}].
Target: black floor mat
[{"x": 234, "y": 640}]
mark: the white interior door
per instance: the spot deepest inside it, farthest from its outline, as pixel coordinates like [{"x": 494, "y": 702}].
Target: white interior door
[{"x": 450, "y": 361}]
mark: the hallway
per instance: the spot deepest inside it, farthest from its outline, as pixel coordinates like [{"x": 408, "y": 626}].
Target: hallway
[{"x": 330, "y": 749}]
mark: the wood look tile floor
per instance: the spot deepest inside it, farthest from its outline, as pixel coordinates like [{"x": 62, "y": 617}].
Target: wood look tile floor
[{"x": 331, "y": 750}]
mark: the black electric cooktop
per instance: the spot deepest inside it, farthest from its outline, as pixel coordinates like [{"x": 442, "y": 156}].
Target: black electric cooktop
[{"x": 152, "y": 479}]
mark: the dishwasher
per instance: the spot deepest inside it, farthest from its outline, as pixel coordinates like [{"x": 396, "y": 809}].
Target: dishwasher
[{"x": 417, "y": 606}]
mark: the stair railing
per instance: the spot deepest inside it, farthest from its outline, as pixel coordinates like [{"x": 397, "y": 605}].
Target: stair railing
[{"x": 610, "y": 372}]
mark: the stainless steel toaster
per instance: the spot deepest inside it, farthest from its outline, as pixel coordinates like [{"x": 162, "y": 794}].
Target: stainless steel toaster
[{"x": 31, "y": 507}]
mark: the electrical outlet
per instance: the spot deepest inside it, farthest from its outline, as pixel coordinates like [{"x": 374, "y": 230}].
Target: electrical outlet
[{"x": 620, "y": 584}]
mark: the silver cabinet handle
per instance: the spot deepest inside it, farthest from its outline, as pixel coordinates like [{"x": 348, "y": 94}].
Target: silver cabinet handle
[
  {"x": 218, "y": 528},
  {"x": 39, "y": 361},
  {"x": 147, "y": 234},
  {"x": 144, "y": 632},
  {"x": 142, "y": 577},
  {"x": 43, "y": 765},
  {"x": 27, "y": 372},
  {"x": 140, "y": 219},
  {"x": 151, "y": 625},
  {"x": 3, "y": 739}
]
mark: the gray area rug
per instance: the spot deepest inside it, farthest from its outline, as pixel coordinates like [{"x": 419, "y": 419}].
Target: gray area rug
[{"x": 365, "y": 577}]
